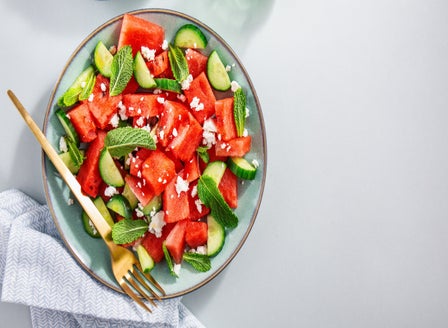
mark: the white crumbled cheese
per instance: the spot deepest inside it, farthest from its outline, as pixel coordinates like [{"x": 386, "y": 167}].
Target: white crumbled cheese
[
  {"x": 176, "y": 268},
  {"x": 228, "y": 68},
  {"x": 181, "y": 185},
  {"x": 157, "y": 223},
  {"x": 245, "y": 133},
  {"x": 63, "y": 145},
  {"x": 148, "y": 54},
  {"x": 70, "y": 202},
  {"x": 194, "y": 191},
  {"x": 140, "y": 121},
  {"x": 196, "y": 104},
  {"x": 110, "y": 191},
  {"x": 139, "y": 213},
  {"x": 91, "y": 96},
  {"x": 164, "y": 45},
  {"x": 162, "y": 134},
  {"x": 209, "y": 132},
  {"x": 201, "y": 250},
  {"x": 83, "y": 84},
  {"x": 255, "y": 163},
  {"x": 115, "y": 120},
  {"x": 198, "y": 204},
  {"x": 157, "y": 91},
  {"x": 174, "y": 132},
  {"x": 122, "y": 111},
  {"x": 103, "y": 87},
  {"x": 247, "y": 112},
  {"x": 128, "y": 160},
  {"x": 234, "y": 86},
  {"x": 181, "y": 97},
  {"x": 161, "y": 100},
  {"x": 185, "y": 84}
]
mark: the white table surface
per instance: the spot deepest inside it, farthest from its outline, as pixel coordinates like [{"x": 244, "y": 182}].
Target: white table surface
[{"x": 353, "y": 227}]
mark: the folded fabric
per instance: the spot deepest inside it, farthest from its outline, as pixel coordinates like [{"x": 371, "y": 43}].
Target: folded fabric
[{"x": 37, "y": 270}]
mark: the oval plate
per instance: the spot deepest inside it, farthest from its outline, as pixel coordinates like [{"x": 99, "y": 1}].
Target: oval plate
[{"x": 92, "y": 254}]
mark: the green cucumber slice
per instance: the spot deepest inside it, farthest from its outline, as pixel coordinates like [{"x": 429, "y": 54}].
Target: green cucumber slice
[
  {"x": 71, "y": 96},
  {"x": 141, "y": 72},
  {"x": 108, "y": 169},
  {"x": 130, "y": 196},
  {"x": 190, "y": 36},
  {"x": 168, "y": 85},
  {"x": 216, "y": 236},
  {"x": 68, "y": 161},
  {"x": 153, "y": 206},
  {"x": 146, "y": 261},
  {"x": 215, "y": 170},
  {"x": 242, "y": 168},
  {"x": 216, "y": 72},
  {"x": 67, "y": 125},
  {"x": 102, "y": 59},
  {"x": 102, "y": 208},
  {"x": 120, "y": 205},
  {"x": 89, "y": 227}
]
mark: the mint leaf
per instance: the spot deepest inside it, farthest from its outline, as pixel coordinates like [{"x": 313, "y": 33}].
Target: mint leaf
[
  {"x": 121, "y": 70},
  {"x": 239, "y": 111},
  {"x": 203, "y": 154},
  {"x": 88, "y": 88},
  {"x": 75, "y": 154},
  {"x": 121, "y": 141},
  {"x": 80, "y": 86},
  {"x": 168, "y": 260},
  {"x": 200, "y": 262},
  {"x": 210, "y": 195},
  {"x": 128, "y": 230},
  {"x": 178, "y": 62}
]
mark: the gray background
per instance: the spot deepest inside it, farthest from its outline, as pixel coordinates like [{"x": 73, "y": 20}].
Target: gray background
[{"x": 352, "y": 231}]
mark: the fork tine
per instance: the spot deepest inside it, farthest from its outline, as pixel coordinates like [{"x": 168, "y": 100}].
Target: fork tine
[
  {"x": 152, "y": 280},
  {"x": 130, "y": 278},
  {"x": 131, "y": 294}
]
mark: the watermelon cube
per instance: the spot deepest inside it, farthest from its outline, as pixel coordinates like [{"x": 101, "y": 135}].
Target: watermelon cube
[
  {"x": 175, "y": 241},
  {"x": 158, "y": 170},
  {"x": 196, "y": 233}
]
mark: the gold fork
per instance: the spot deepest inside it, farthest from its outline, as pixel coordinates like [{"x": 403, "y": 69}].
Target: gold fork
[{"x": 125, "y": 265}]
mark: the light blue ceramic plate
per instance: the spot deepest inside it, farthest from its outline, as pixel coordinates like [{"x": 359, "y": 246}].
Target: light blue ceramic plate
[{"x": 91, "y": 253}]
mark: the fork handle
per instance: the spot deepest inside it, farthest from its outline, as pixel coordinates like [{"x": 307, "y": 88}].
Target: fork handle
[{"x": 100, "y": 223}]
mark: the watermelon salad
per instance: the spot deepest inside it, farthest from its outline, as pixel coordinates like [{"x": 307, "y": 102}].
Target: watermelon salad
[{"x": 155, "y": 134}]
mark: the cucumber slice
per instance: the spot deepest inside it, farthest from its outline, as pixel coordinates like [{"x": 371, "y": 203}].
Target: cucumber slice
[
  {"x": 120, "y": 205},
  {"x": 89, "y": 227},
  {"x": 190, "y": 36},
  {"x": 215, "y": 170},
  {"x": 68, "y": 161},
  {"x": 103, "y": 59},
  {"x": 108, "y": 169},
  {"x": 153, "y": 206},
  {"x": 67, "y": 125},
  {"x": 71, "y": 96},
  {"x": 141, "y": 72},
  {"x": 216, "y": 236},
  {"x": 88, "y": 224},
  {"x": 146, "y": 261},
  {"x": 130, "y": 196},
  {"x": 216, "y": 72},
  {"x": 75, "y": 153},
  {"x": 242, "y": 168},
  {"x": 102, "y": 208},
  {"x": 168, "y": 85}
]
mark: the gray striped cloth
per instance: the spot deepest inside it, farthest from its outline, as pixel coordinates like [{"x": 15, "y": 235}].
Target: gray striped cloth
[{"x": 37, "y": 270}]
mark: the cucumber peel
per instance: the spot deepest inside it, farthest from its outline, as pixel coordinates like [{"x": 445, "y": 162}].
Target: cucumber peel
[
  {"x": 102, "y": 59},
  {"x": 190, "y": 36},
  {"x": 216, "y": 72}
]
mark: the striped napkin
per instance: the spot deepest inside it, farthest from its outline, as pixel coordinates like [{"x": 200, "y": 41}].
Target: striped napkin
[{"x": 37, "y": 270}]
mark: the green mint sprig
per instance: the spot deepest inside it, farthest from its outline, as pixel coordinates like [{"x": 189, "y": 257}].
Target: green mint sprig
[
  {"x": 239, "y": 111},
  {"x": 121, "y": 70},
  {"x": 211, "y": 197},
  {"x": 199, "y": 262},
  {"x": 178, "y": 62},
  {"x": 169, "y": 260},
  {"x": 127, "y": 230},
  {"x": 121, "y": 141}
]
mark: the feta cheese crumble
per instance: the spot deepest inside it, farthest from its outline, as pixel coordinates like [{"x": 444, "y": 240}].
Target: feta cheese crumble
[
  {"x": 148, "y": 54},
  {"x": 234, "y": 86},
  {"x": 156, "y": 224},
  {"x": 110, "y": 191},
  {"x": 165, "y": 45},
  {"x": 181, "y": 185},
  {"x": 63, "y": 145},
  {"x": 185, "y": 84},
  {"x": 196, "y": 104},
  {"x": 209, "y": 133}
]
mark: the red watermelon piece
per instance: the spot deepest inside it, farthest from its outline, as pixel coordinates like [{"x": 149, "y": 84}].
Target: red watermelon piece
[
  {"x": 236, "y": 147},
  {"x": 153, "y": 245},
  {"x": 201, "y": 98},
  {"x": 196, "y": 233},
  {"x": 228, "y": 186},
  {"x": 175, "y": 241},
  {"x": 225, "y": 122},
  {"x": 138, "y": 32},
  {"x": 89, "y": 175},
  {"x": 187, "y": 139},
  {"x": 175, "y": 205},
  {"x": 140, "y": 188},
  {"x": 158, "y": 170},
  {"x": 196, "y": 61},
  {"x": 82, "y": 121}
]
